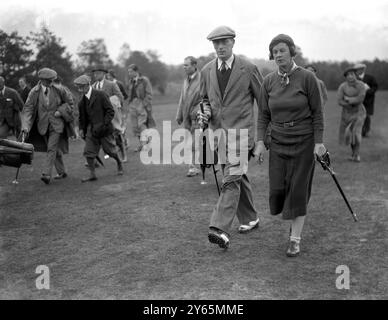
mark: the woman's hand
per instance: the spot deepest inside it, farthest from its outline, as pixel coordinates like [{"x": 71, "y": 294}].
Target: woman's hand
[
  {"x": 258, "y": 151},
  {"x": 319, "y": 149}
]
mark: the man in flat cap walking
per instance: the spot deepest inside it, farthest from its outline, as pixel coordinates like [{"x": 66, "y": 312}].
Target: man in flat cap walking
[
  {"x": 95, "y": 125},
  {"x": 229, "y": 86},
  {"x": 46, "y": 118}
]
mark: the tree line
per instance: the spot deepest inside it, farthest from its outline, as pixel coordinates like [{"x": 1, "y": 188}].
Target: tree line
[{"x": 24, "y": 56}]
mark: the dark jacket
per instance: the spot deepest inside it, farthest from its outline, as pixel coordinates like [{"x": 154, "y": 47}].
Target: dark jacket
[
  {"x": 369, "y": 100},
  {"x": 10, "y": 106},
  {"x": 122, "y": 89},
  {"x": 98, "y": 113},
  {"x": 24, "y": 93}
]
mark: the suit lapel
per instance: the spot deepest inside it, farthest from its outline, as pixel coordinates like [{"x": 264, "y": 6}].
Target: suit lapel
[
  {"x": 234, "y": 75},
  {"x": 214, "y": 79},
  {"x": 92, "y": 98}
]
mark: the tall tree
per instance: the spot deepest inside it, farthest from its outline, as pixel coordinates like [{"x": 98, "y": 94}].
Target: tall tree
[
  {"x": 92, "y": 53},
  {"x": 14, "y": 57},
  {"x": 51, "y": 53}
]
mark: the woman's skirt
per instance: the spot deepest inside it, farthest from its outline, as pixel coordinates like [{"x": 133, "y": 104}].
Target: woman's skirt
[
  {"x": 352, "y": 120},
  {"x": 291, "y": 170}
]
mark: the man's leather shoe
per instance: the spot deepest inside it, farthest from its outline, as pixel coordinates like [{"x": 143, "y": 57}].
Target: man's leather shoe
[
  {"x": 219, "y": 238},
  {"x": 60, "y": 176},
  {"x": 91, "y": 178},
  {"x": 45, "y": 178},
  {"x": 293, "y": 249},
  {"x": 244, "y": 228}
]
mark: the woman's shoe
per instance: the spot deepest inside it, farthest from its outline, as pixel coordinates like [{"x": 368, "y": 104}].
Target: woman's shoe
[{"x": 293, "y": 249}]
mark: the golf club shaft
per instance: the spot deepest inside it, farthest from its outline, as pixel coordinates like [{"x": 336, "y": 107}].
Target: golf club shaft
[
  {"x": 344, "y": 197},
  {"x": 215, "y": 177}
]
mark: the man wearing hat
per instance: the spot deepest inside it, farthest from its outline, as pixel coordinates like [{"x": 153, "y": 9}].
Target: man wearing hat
[
  {"x": 95, "y": 123},
  {"x": 369, "y": 100},
  {"x": 229, "y": 86},
  {"x": 46, "y": 116},
  {"x": 109, "y": 87}
]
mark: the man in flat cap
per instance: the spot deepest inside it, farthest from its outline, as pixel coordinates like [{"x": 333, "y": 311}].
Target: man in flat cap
[
  {"x": 46, "y": 119},
  {"x": 95, "y": 125},
  {"x": 10, "y": 106},
  {"x": 369, "y": 100},
  {"x": 229, "y": 86}
]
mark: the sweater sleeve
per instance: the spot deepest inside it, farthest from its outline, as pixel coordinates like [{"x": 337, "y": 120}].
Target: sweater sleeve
[
  {"x": 264, "y": 115},
  {"x": 359, "y": 98},
  {"x": 315, "y": 103}
]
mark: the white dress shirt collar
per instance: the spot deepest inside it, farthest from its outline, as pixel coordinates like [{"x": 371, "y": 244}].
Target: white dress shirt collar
[
  {"x": 100, "y": 84},
  {"x": 89, "y": 93},
  {"x": 228, "y": 62}
]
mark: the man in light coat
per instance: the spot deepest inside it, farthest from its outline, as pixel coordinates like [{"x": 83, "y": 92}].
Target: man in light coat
[
  {"x": 229, "y": 86},
  {"x": 189, "y": 103},
  {"x": 46, "y": 118},
  {"x": 140, "y": 105}
]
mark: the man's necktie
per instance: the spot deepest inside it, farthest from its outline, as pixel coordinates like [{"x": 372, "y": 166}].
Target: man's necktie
[
  {"x": 223, "y": 67},
  {"x": 46, "y": 92}
]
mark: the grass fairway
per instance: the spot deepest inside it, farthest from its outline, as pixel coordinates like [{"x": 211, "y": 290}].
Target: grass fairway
[{"x": 144, "y": 235}]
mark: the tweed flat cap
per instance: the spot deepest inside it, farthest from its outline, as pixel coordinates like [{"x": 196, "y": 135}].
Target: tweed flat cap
[
  {"x": 47, "y": 74},
  {"x": 221, "y": 32},
  {"x": 359, "y": 66},
  {"x": 82, "y": 80},
  {"x": 100, "y": 68}
]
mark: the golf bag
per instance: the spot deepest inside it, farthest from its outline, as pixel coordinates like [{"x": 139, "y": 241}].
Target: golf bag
[{"x": 14, "y": 154}]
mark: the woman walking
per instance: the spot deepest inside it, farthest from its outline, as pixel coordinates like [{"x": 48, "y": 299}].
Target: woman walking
[
  {"x": 351, "y": 94},
  {"x": 290, "y": 101}
]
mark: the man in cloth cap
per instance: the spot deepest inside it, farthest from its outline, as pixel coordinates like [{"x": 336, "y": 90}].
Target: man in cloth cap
[
  {"x": 95, "y": 125},
  {"x": 46, "y": 119},
  {"x": 229, "y": 86},
  {"x": 369, "y": 100}
]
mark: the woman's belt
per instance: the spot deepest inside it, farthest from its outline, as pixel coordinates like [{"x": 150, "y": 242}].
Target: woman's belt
[{"x": 293, "y": 123}]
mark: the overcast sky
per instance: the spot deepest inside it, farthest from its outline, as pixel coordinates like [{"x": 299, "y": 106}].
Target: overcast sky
[{"x": 325, "y": 29}]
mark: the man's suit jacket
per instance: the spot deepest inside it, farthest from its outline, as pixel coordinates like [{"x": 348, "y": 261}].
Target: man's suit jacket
[
  {"x": 122, "y": 89},
  {"x": 10, "y": 106},
  {"x": 24, "y": 93},
  {"x": 36, "y": 108},
  {"x": 235, "y": 110},
  {"x": 111, "y": 89},
  {"x": 369, "y": 100},
  {"x": 143, "y": 89},
  {"x": 97, "y": 112},
  {"x": 189, "y": 101}
]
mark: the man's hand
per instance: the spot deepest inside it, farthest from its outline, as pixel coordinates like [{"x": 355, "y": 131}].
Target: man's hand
[
  {"x": 319, "y": 149},
  {"x": 258, "y": 151},
  {"x": 203, "y": 118},
  {"x": 57, "y": 114},
  {"x": 179, "y": 121}
]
